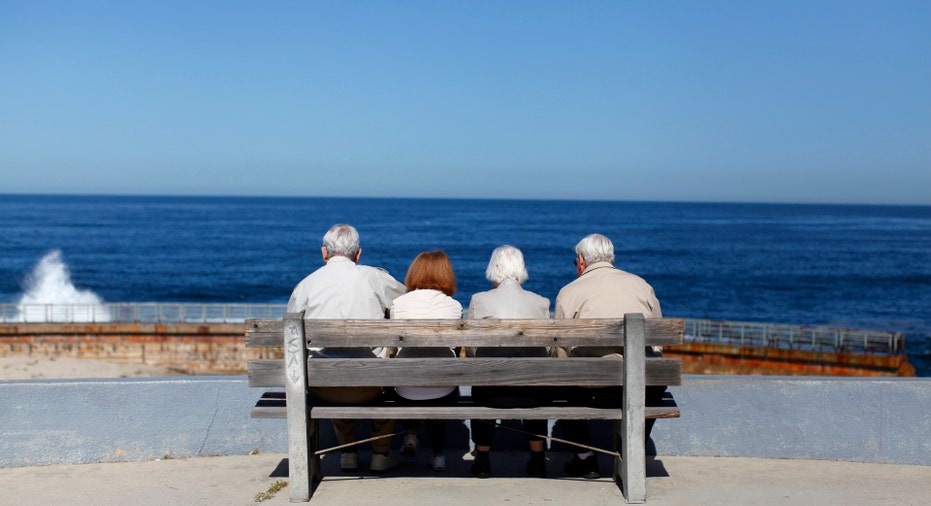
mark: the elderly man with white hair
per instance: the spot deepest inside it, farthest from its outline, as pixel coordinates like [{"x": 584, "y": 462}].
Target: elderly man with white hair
[
  {"x": 342, "y": 288},
  {"x": 508, "y": 299},
  {"x": 601, "y": 290}
]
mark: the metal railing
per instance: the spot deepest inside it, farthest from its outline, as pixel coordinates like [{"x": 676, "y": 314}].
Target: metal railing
[
  {"x": 142, "y": 312},
  {"x": 871, "y": 342},
  {"x": 795, "y": 337}
]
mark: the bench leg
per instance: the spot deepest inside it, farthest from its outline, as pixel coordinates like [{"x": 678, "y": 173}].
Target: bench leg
[
  {"x": 302, "y": 433},
  {"x": 633, "y": 463},
  {"x": 302, "y": 463},
  {"x": 630, "y": 466}
]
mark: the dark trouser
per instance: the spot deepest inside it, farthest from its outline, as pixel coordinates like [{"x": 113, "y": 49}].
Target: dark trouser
[
  {"x": 483, "y": 431},
  {"x": 346, "y": 429},
  {"x": 611, "y": 397},
  {"x": 436, "y": 429}
]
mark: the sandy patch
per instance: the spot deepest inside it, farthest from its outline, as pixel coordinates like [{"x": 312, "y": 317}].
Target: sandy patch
[{"x": 24, "y": 367}]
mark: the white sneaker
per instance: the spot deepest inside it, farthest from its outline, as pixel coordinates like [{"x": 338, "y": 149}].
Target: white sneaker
[
  {"x": 409, "y": 447},
  {"x": 349, "y": 461},
  {"x": 383, "y": 462},
  {"x": 438, "y": 463}
]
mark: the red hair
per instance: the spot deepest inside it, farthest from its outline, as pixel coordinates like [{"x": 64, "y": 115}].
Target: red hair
[{"x": 431, "y": 270}]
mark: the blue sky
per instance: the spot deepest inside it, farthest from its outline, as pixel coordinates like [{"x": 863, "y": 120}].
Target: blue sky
[{"x": 794, "y": 101}]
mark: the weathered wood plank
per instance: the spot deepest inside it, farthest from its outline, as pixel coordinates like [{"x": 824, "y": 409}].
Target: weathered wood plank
[
  {"x": 476, "y": 412},
  {"x": 582, "y": 371},
  {"x": 266, "y": 373},
  {"x": 483, "y": 372},
  {"x": 451, "y": 333},
  {"x": 263, "y": 333},
  {"x": 460, "y": 413},
  {"x": 273, "y": 405}
]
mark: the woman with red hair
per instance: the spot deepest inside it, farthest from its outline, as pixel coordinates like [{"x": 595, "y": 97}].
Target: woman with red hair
[{"x": 430, "y": 282}]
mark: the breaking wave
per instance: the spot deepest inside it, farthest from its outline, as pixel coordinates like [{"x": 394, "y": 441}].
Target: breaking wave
[{"x": 50, "y": 296}]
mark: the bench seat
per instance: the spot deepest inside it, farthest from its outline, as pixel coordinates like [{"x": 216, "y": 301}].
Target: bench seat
[{"x": 273, "y": 405}]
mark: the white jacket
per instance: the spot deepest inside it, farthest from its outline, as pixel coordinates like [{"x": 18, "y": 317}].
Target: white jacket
[
  {"x": 344, "y": 289},
  {"x": 423, "y": 305}
]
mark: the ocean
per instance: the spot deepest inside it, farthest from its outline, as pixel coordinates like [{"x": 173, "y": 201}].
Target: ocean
[{"x": 836, "y": 265}]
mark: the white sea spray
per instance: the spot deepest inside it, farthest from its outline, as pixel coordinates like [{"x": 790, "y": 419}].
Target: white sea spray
[{"x": 50, "y": 296}]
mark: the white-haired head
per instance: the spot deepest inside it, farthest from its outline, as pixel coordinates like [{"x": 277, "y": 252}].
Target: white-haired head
[
  {"x": 507, "y": 262},
  {"x": 595, "y": 248},
  {"x": 341, "y": 240}
]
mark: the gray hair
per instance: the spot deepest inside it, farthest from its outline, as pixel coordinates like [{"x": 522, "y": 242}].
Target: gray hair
[
  {"x": 341, "y": 240},
  {"x": 507, "y": 262},
  {"x": 596, "y": 248}
]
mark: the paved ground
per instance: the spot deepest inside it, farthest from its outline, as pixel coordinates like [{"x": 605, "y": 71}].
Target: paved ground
[{"x": 671, "y": 481}]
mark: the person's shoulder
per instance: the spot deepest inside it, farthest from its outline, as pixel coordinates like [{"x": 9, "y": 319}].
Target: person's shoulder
[
  {"x": 438, "y": 296},
  {"x": 375, "y": 272},
  {"x": 487, "y": 294},
  {"x": 309, "y": 279},
  {"x": 401, "y": 299},
  {"x": 622, "y": 272},
  {"x": 631, "y": 277},
  {"x": 370, "y": 268},
  {"x": 540, "y": 303},
  {"x": 539, "y": 298},
  {"x": 572, "y": 285},
  {"x": 532, "y": 296}
]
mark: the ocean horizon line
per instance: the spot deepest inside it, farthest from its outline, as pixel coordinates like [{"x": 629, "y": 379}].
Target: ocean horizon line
[{"x": 458, "y": 199}]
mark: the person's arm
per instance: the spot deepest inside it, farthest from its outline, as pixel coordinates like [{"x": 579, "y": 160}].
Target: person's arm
[
  {"x": 654, "y": 303},
  {"x": 559, "y": 313},
  {"x": 386, "y": 289}
]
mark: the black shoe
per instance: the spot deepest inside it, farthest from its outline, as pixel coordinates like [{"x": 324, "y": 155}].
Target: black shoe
[
  {"x": 586, "y": 468},
  {"x": 536, "y": 466},
  {"x": 481, "y": 466}
]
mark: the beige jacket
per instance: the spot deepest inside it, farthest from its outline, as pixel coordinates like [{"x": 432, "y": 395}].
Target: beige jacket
[{"x": 603, "y": 291}]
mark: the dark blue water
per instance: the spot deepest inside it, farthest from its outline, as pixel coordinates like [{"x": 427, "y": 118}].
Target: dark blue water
[{"x": 851, "y": 266}]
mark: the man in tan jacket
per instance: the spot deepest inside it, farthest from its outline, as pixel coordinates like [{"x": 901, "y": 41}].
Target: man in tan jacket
[{"x": 601, "y": 291}]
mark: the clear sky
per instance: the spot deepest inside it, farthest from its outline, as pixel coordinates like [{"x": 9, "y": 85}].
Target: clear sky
[{"x": 787, "y": 101}]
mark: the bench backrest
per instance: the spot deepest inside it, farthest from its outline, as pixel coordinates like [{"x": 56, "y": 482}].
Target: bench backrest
[{"x": 633, "y": 332}]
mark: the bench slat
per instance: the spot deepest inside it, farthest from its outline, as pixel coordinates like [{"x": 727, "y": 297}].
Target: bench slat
[
  {"x": 266, "y": 373},
  {"x": 481, "y": 412},
  {"x": 272, "y": 405},
  {"x": 463, "y": 413},
  {"x": 452, "y": 333},
  {"x": 514, "y": 371}
]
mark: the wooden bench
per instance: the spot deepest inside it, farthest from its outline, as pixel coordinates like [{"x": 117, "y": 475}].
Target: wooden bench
[{"x": 295, "y": 373}]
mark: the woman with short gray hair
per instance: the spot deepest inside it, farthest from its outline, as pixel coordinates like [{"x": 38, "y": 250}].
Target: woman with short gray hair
[{"x": 506, "y": 271}]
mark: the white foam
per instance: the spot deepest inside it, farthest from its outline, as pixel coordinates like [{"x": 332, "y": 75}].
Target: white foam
[{"x": 50, "y": 296}]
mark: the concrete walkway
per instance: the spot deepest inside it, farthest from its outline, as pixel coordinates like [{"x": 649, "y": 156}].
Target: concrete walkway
[{"x": 671, "y": 481}]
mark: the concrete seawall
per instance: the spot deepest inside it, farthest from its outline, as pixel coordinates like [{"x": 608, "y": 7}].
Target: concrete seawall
[
  {"x": 219, "y": 348},
  {"x": 80, "y": 421},
  {"x": 716, "y": 358}
]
